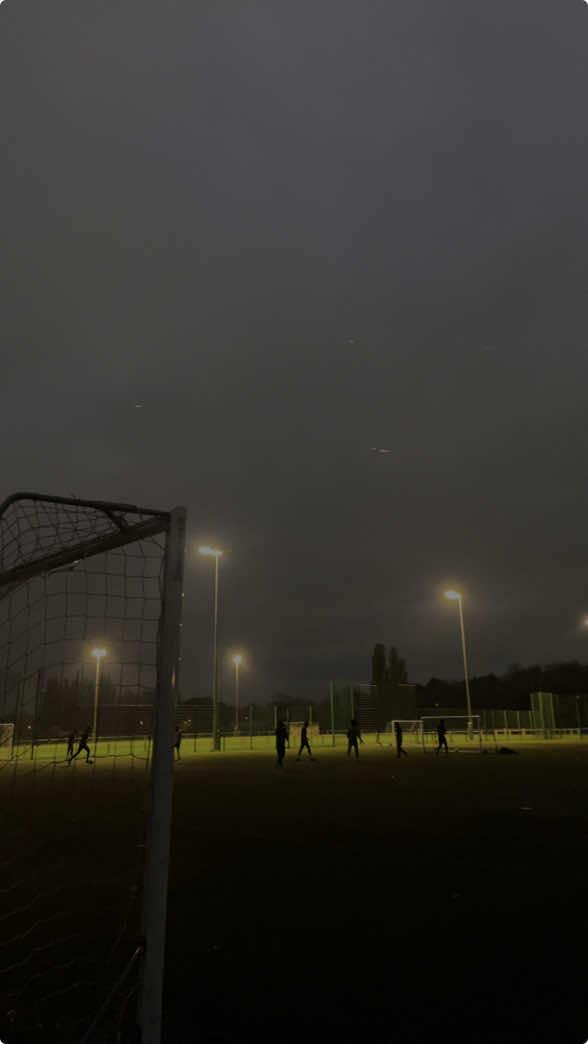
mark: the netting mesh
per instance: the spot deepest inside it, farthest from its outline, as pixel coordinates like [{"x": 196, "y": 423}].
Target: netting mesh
[
  {"x": 75, "y": 578},
  {"x": 34, "y": 529},
  {"x": 460, "y": 731}
]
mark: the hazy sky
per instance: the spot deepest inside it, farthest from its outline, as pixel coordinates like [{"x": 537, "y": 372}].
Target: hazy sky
[{"x": 204, "y": 203}]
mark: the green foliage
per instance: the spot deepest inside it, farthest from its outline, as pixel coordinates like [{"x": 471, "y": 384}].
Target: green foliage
[
  {"x": 378, "y": 664},
  {"x": 392, "y": 669},
  {"x": 510, "y": 690},
  {"x": 396, "y": 672}
]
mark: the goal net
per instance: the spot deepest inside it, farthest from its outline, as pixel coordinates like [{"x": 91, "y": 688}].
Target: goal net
[
  {"x": 6, "y": 738},
  {"x": 412, "y": 731},
  {"x": 90, "y": 602},
  {"x": 462, "y": 732}
]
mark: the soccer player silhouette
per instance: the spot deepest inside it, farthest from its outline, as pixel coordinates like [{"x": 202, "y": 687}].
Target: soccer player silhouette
[
  {"x": 398, "y": 733},
  {"x": 83, "y": 745},
  {"x": 70, "y": 745},
  {"x": 353, "y": 738},
  {"x": 441, "y": 737},
  {"x": 304, "y": 744},
  {"x": 178, "y": 741},
  {"x": 282, "y": 738}
]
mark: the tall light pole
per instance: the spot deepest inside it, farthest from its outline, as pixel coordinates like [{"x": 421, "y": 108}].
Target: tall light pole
[
  {"x": 214, "y": 552},
  {"x": 455, "y": 596},
  {"x": 237, "y": 660},
  {"x": 99, "y": 655}
]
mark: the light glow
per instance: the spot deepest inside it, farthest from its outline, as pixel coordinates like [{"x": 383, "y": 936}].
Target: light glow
[
  {"x": 215, "y": 552},
  {"x": 454, "y": 596},
  {"x": 237, "y": 660},
  {"x": 99, "y": 653}
]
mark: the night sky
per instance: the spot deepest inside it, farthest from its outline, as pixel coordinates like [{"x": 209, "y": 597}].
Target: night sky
[{"x": 294, "y": 230}]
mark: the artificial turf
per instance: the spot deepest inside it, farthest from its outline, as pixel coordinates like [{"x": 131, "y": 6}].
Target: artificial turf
[{"x": 384, "y": 899}]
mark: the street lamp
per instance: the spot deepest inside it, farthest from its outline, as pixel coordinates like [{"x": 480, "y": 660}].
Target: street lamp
[
  {"x": 99, "y": 655},
  {"x": 214, "y": 552},
  {"x": 455, "y": 596},
  {"x": 237, "y": 660}
]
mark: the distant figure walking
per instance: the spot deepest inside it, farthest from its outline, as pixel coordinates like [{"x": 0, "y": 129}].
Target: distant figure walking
[
  {"x": 83, "y": 745},
  {"x": 282, "y": 738},
  {"x": 304, "y": 744},
  {"x": 70, "y": 745},
  {"x": 442, "y": 737},
  {"x": 353, "y": 738},
  {"x": 398, "y": 733},
  {"x": 178, "y": 742}
]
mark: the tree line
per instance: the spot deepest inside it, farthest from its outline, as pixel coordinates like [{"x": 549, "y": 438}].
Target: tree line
[{"x": 510, "y": 690}]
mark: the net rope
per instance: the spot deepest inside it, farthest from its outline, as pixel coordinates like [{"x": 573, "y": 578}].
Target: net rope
[{"x": 73, "y": 830}]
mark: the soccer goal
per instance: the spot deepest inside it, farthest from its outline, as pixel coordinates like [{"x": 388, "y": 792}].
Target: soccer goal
[
  {"x": 412, "y": 731},
  {"x": 462, "y": 733},
  {"x": 6, "y": 738},
  {"x": 90, "y": 617}
]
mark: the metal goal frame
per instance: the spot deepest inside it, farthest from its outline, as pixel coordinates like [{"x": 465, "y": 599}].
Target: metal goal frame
[{"x": 23, "y": 557}]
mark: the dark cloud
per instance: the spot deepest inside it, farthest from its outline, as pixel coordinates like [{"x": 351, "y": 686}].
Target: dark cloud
[{"x": 291, "y": 232}]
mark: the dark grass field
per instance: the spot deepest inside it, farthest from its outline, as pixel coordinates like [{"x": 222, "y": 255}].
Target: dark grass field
[{"x": 381, "y": 900}]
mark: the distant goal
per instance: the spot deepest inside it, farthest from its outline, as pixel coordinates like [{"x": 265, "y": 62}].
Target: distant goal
[
  {"x": 6, "y": 739},
  {"x": 90, "y": 617},
  {"x": 462, "y": 733},
  {"x": 412, "y": 731}
]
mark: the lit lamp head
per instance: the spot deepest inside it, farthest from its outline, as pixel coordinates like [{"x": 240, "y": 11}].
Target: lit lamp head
[
  {"x": 211, "y": 552},
  {"x": 237, "y": 660},
  {"x": 99, "y": 654},
  {"x": 454, "y": 596}
]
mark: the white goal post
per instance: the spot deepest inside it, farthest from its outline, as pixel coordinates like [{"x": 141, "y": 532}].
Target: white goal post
[
  {"x": 412, "y": 729},
  {"x": 6, "y": 737},
  {"x": 90, "y": 606},
  {"x": 461, "y": 731}
]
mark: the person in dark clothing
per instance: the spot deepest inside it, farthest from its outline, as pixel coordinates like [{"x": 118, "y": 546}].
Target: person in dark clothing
[
  {"x": 398, "y": 733},
  {"x": 442, "y": 737},
  {"x": 353, "y": 738},
  {"x": 70, "y": 745},
  {"x": 178, "y": 741},
  {"x": 83, "y": 745},
  {"x": 304, "y": 744},
  {"x": 282, "y": 738}
]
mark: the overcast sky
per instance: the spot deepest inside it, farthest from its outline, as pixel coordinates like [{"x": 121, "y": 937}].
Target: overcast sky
[{"x": 294, "y": 230}]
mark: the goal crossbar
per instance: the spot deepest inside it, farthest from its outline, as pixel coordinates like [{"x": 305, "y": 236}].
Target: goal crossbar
[
  {"x": 430, "y": 722},
  {"x": 122, "y": 534},
  {"x": 42, "y": 539}
]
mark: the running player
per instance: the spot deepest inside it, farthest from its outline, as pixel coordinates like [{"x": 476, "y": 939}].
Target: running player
[
  {"x": 282, "y": 738},
  {"x": 70, "y": 745},
  {"x": 304, "y": 744},
  {"x": 398, "y": 733},
  {"x": 442, "y": 737},
  {"x": 353, "y": 738},
  {"x": 83, "y": 745},
  {"x": 178, "y": 741}
]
